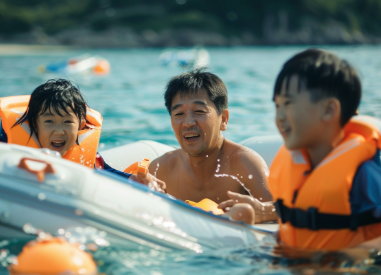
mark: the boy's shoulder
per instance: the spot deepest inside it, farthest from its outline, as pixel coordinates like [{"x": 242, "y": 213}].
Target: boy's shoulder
[{"x": 366, "y": 187}]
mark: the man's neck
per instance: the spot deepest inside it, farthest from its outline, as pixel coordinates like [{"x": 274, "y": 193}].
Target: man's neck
[
  {"x": 318, "y": 152},
  {"x": 207, "y": 163}
]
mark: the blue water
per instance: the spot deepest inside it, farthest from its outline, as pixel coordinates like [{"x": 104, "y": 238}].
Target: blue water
[{"x": 131, "y": 101}]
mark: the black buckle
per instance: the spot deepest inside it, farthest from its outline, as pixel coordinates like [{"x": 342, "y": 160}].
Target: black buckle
[
  {"x": 312, "y": 214},
  {"x": 305, "y": 219},
  {"x": 279, "y": 207}
]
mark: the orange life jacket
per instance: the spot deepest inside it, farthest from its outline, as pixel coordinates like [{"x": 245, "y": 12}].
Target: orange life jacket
[
  {"x": 13, "y": 107},
  {"x": 314, "y": 206}
]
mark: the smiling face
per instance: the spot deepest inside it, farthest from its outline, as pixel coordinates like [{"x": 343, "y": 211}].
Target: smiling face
[
  {"x": 196, "y": 123},
  {"x": 298, "y": 118},
  {"x": 58, "y": 133}
]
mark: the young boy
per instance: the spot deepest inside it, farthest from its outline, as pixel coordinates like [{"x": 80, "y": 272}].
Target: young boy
[
  {"x": 326, "y": 179},
  {"x": 56, "y": 117}
]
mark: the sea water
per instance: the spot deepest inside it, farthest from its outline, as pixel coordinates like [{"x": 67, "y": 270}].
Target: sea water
[{"x": 130, "y": 99}]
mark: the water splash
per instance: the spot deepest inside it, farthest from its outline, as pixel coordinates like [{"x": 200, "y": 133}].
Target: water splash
[{"x": 234, "y": 178}]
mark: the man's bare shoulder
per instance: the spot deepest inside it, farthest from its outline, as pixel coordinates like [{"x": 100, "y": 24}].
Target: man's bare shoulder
[
  {"x": 169, "y": 159},
  {"x": 240, "y": 154}
]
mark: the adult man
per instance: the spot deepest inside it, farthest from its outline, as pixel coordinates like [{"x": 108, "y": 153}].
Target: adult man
[{"x": 207, "y": 165}]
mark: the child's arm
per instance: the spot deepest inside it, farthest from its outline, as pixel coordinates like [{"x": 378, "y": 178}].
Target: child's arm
[
  {"x": 146, "y": 179},
  {"x": 264, "y": 211}
]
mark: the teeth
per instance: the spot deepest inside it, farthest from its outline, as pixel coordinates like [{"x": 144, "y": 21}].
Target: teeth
[
  {"x": 191, "y": 135},
  {"x": 58, "y": 143}
]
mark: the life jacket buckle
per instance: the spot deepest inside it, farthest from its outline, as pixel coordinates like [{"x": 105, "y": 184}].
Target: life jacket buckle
[
  {"x": 312, "y": 217},
  {"x": 279, "y": 207}
]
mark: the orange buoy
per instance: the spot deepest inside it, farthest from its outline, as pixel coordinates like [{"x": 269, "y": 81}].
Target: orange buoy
[
  {"x": 51, "y": 257},
  {"x": 102, "y": 67},
  {"x": 207, "y": 205}
]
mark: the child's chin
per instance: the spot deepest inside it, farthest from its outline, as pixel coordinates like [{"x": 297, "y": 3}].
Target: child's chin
[{"x": 291, "y": 146}]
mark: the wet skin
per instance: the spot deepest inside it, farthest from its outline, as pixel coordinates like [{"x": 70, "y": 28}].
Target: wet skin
[
  {"x": 58, "y": 133},
  {"x": 206, "y": 162}
]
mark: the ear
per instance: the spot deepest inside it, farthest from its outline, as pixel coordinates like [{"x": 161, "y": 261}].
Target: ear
[
  {"x": 331, "y": 109},
  {"x": 83, "y": 123},
  {"x": 225, "y": 119}
]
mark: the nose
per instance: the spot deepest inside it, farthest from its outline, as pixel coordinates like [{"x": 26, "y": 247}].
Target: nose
[
  {"x": 59, "y": 130},
  {"x": 189, "y": 120},
  {"x": 280, "y": 115}
]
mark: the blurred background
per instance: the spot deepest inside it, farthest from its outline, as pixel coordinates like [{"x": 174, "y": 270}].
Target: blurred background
[{"x": 153, "y": 23}]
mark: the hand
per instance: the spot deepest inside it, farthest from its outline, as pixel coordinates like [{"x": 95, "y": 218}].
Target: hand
[
  {"x": 264, "y": 211},
  {"x": 238, "y": 198},
  {"x": 150, "y": 181}
]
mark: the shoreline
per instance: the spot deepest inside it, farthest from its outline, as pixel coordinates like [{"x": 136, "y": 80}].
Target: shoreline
[{"x": 28, "y": 49}]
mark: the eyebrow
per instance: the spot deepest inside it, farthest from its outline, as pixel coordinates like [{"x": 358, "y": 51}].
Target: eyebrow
[
  {"x": 48, "y": 114},
  {"x": 194, "y": 102}
]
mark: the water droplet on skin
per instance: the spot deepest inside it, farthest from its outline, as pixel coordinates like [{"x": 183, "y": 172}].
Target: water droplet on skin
[
  {"x": 207, "y": 156},
  {"x": 250, "y": 176},
  {"x": 260, "y": 199},
  {"x": 273, "y": 210},
  {"x": 218, "y": 160}
]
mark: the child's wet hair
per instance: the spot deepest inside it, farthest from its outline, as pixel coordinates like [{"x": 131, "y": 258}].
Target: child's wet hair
[
  {"x": 54, "y": 95},
  {"x": 324, "y": 75}
]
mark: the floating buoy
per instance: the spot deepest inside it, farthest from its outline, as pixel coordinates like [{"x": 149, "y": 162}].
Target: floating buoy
[
  {"x": 102, "y": 67},
  {"x": 207, "y": 205},
  {"x": 53, "y": 256}
]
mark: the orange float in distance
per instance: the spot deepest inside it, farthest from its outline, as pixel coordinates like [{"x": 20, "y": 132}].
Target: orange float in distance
[
  {"x": 102, "y": 67},
  {"x": 207, "y": 205},
  {"x": 51, "y": 257}
]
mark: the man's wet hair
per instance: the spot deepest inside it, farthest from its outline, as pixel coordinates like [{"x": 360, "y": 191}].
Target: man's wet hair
[
  {"x": 324, "y": 75},
  {"x": 194, "y": 81},
  {"x": 54, "y": 95}
]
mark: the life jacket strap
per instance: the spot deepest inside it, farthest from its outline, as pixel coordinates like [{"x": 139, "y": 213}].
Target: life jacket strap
[{"x": 313, "y": 220}]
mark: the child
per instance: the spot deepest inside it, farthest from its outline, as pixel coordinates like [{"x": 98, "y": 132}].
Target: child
[
  {"x": 56, "y": 117},
  {"x": 326, "y": 179}
]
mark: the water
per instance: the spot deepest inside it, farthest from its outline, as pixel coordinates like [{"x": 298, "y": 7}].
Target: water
[{"x": 131, "y": 102}]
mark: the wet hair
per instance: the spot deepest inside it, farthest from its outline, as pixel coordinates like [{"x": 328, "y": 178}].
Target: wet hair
[
  {"x": 192, "y": 82},
  {"x": 56, "y": 95},
  {"x": 324, "y": 75}
]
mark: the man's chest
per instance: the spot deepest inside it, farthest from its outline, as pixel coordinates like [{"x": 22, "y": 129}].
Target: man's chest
[{"x": 190, "y": 188}]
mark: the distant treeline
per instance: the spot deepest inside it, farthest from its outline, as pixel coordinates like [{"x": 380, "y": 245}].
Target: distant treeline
[{"x": 227, "y": 17}]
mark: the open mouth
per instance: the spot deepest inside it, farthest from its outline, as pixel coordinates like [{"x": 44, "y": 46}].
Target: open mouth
[
  {"x": 285, "y": 131},
  {"x": 58, "y": 145},
  {"x": 191, "y": 137}
]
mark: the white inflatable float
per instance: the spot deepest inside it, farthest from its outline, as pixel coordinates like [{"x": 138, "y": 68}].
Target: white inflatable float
[{"x": 64, "y": 195}]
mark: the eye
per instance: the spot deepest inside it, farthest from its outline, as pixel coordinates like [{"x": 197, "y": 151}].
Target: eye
[
  {"x": 48, "y": 121},
  {"x": 287, "y": 102},
  {"x": 200, "y": 112},
  {"x": 69, "y": 121},
  {"x": 178, "y": 114}
]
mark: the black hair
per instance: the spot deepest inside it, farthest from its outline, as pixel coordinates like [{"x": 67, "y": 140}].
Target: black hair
[
  {"x": 324, "y": 75},
  {"x": 57, "y": 95},
  {"x": 192, "y": 82}
]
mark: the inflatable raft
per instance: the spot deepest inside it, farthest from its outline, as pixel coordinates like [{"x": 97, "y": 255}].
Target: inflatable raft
[{"x": 50, "y": 193}]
